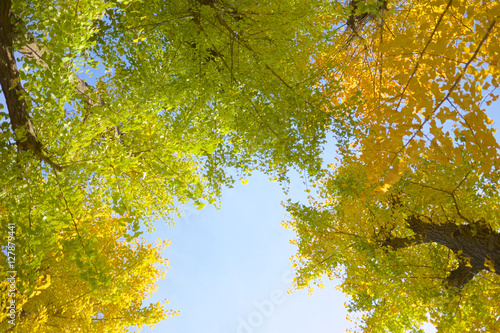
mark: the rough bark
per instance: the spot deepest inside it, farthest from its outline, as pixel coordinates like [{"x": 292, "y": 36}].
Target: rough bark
[
  {"x": 473, "y": 244},
  {"x": 13, "y": 91}
]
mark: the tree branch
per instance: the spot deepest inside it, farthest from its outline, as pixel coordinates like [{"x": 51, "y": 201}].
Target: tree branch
[
  {"x": 459, "y": 277},
  {"x": 13, "y": 91}
]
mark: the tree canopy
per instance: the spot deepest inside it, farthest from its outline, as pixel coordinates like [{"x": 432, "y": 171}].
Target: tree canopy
[
  {"x": 408, "y": 218},
  {"x": 130, "y": 109},
  {"x": 67, "y": 296},
  {"x": 118, "y": 112},
  {"x": 426, "y": 249},
  {"x": 425, "y": 71}
]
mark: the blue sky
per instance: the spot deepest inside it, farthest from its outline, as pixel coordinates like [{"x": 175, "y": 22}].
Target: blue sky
[{"x": 230, "y": 268}]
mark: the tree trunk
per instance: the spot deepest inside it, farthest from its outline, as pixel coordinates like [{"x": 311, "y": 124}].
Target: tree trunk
[
  {"x": 476, "y": 246},
  {"x": 13, "y": 91}
]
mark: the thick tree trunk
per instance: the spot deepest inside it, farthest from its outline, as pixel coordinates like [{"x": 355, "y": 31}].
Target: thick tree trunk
[
  {"x": 474, "y": 245},
  {"x": 13, "y": 90}
]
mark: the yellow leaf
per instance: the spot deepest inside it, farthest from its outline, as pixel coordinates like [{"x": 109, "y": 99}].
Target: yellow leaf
[
  {"x": 385, "y": 188},
  {"x": 489, "y": 264}
]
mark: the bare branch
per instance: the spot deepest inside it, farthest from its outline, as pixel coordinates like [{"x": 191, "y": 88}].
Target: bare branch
[{"x": 460, "y": 276}]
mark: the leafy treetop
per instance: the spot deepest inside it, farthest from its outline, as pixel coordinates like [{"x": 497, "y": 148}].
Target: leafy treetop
[{"x": 408, "y": 219}]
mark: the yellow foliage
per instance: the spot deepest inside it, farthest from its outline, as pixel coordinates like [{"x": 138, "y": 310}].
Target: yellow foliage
[
  {"x": 396, "y": 279},
  {"x": 419, "y": 62},
  {"x": 64, "y": 300}
]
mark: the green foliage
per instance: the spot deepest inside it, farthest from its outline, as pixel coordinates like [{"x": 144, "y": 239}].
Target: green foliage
[{"x": 176, "y": 93}]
